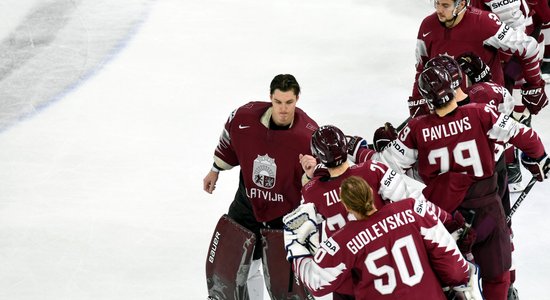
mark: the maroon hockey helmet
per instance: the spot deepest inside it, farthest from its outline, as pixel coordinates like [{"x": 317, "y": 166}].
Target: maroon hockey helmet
[
  {"x": 328, "y": 143},
  {"x": 449, "y": 64},
  {"x": 435, "y": 85}
]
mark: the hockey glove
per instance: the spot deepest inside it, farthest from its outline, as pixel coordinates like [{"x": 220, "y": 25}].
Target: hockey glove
[
  {"x": 471, "y": 290},
  {"x": 538, "y": 167},
  {"x": 476, "y": 70},
  {"x": 534, "y": 97},
  {"x": 300, "y": 226},
  {"x": 454, "y": 224},
  {"x": 321, "y": 171},
  {"x": 466, "y": 240},
  {"x": 354, "y": 144},
  {"x": 383, "y": 136},
  {"x": 418, "y": 107},
  {"x": 462, "y": 232}
]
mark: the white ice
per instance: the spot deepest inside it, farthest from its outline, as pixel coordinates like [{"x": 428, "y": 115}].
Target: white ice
[{"x": 101, "y": 190}]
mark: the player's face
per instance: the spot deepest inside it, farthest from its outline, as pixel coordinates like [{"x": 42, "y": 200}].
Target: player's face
[
  {"x": 444, "y": 10},
  {"x": 284, "y": 105}
]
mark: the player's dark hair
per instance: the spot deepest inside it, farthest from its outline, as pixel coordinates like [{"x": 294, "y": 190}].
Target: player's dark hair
[
  {"x": 356, "y": 194},
  {"x": 284, "y": 83}
]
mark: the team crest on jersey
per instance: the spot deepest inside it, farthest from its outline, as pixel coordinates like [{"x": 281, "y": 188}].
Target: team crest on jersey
[{"x": 264, "y": 171}]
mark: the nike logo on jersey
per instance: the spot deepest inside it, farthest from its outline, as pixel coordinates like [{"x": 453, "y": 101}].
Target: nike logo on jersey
[
  {"x": 426, "y": 34},
  {"x": 243, "y": 126}
]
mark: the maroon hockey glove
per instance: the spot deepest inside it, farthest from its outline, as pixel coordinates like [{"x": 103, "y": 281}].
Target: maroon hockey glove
[
  {"x": 534, "y": 97},
  {"x": 355, "y": 143},
  {"x": 455, "y": 223},
  {"x": 466, "y": 240},
  {"x": 383, "y": 136},
  {"x": 321, "y": 171},
  {"x": 418, "y": 107},
  {"x": 538, "y": 167},
  {"x": 472, "y": 65}
]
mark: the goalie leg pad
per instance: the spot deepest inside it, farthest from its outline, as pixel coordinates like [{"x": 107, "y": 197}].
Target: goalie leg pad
[
  {"x": 228, "y": 260},
  {"x": 277, "y": 269}
]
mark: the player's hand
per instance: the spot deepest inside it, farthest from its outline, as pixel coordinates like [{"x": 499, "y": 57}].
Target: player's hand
[
  {"x": 383, "y": 136},
  {"x": 308, "y": 163},
  {"x": 321, "y": 171},
  {"x": 538, "y": 167},
  {"x": 466, "y": 240},
  {"x": 354, "y": 144},
  {"x": 472, "y": 65},
  {"x": 418, "y": 107},
  {"x": 534, "y": 97},
  {"x": 209, "y": 182},
  {"x": 300, "y": 228},
  {"x": 454, "y": 224}
]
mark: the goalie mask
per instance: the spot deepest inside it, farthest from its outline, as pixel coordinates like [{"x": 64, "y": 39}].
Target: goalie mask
[
  {"x": 435, "y": 85},
  {"x": 328, "y": 144},
  {"x": 448, "y": 63}
]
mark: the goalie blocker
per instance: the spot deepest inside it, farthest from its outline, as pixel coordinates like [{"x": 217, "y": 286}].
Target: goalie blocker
[{"x": 229, "y": 258}]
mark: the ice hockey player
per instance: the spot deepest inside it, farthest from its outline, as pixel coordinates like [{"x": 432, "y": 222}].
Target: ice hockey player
[
  {"x": 265, "y": 139},
  {"x": 454, "y": 147},
  {"x": 398, "y": 250},
  {"x": 483, "y": 33},
  {"x": 330, "y": 147}
]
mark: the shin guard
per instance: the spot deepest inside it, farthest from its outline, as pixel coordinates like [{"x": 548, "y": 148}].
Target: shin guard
[
  {"x": 277, "y": 270},
  {"x": 228, "y": 260}
]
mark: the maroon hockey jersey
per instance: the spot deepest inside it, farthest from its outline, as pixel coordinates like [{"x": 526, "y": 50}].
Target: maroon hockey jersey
[
  {"x": 492, "y": 94},
  {"x": 387, "y": 186},
  {"x": 325, "y": 194},
  {"x": 268, "y": 158},
  {"x": 463, "y": 143},
  {"x": 480, "y": 32},
  {"x": 401, "y": 251}
]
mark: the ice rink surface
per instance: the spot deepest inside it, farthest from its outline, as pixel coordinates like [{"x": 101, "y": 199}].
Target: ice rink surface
[{"x": 110, "y": 112}]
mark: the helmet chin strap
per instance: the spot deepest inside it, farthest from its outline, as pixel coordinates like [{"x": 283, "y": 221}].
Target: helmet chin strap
[{"x": 455, "y": 14}]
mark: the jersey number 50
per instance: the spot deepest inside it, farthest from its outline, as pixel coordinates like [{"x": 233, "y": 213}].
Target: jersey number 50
[{"x": 386, "y": 271}]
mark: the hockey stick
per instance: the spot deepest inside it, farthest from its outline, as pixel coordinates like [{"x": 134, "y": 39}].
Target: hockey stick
[
  {"x": 521, "y": 198},
  {"x": 403, "y": 124}
]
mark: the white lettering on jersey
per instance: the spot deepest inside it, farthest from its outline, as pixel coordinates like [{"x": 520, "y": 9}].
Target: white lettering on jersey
[
  {"x": 332, "y": 197},
  {"x": 378, "y": 229},
  {"x": 264, "y": 195},
  {"x": 446, "y": 130}
]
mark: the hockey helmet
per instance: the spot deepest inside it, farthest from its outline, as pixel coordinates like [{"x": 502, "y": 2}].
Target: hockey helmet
[
  {"x": 449, "y": 64},
  {"x": 435, "y": 85},
  {"x": 329, "y": 145}
]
